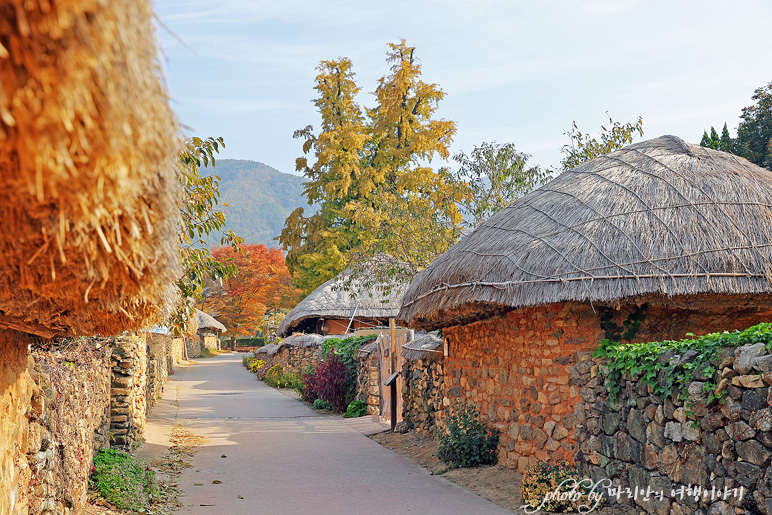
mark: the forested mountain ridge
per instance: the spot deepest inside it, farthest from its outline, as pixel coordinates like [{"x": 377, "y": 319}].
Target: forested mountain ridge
[{"x": 259, "y": 198}]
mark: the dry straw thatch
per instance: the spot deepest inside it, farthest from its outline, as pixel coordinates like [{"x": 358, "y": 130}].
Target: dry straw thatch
[
  {"x": 427, "y": 347},
  {"x": 207, "y": 323},
  {"x": 304, "y": 340},
  {"x": 659, "y": 219},
  {"x": 343, "y": 297},
  {"x": 87, "y": 190}
]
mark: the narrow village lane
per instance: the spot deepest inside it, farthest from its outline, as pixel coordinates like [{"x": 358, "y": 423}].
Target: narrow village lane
[{"x": 268, "y": 453}]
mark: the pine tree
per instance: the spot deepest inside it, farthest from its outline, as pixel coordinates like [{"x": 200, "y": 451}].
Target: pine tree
[{"x": 726, "y": 144}]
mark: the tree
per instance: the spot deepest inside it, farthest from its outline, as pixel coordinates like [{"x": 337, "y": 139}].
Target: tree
[
  {"x": 369, "y": 177},
  {"x": 261, "y": 281},
  {"x": 199, "y": 217},
  {"x": 754, "y": 134},
  {"x": 497, "y": 176},
  {"x": 583, "y": 147},
  {"x": 726, "y": 143}
]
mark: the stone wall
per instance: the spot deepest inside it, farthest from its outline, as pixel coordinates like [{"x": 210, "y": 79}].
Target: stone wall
[
  {"x": 128, "y": 404},
  {"x": 163, "y": 351},
  {"x": 69, "y": 421},
  {"x": 368, "y": 389},
  {"x": 295, "y": 359},
  {"x": 193, "y": 346},
  {"x": 16, "y": 391},
  {"x": 422, "y": 392},
  {"x": 514, "y": 367},
  {"x": 209, "y": 341},
  {"x": 642, "y": 440}
]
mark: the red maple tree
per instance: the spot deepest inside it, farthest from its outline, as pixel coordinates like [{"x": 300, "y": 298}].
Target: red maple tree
[{"x": 261, "y": 283}]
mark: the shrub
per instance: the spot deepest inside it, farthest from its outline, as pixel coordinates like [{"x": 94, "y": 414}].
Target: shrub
[
  {"x": 322, "y": 405},
  {"x": 356, "y": 409},
  {"x": 273, "y": 376},
  {"x": 262, "y": 371},
  {"x": 123, "y": 480},
  {"x": 346, "y": 349},
  {"x": 255, "y": 364},
  {"x": 307, "y": 392},
  {"x": 465, "y": 440},
  {"x": 542, "y": 481},
  {"x": 328, "y": 382}
]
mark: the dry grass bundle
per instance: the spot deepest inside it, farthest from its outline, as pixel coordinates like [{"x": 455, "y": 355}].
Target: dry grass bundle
[
  {"x": 87, "y": 191},
  {"x": 658, "y": 219}
]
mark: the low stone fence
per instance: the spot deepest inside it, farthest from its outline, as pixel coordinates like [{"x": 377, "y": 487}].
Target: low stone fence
[
  {"x": 676, "y": 443},
  {"x": 193, "y": 346},
  {"x": 368, "y": 373},
  {"x": 69, "y": 422},
  {"x": 422, "y": 376},
  {"x": 129, "y": 399}
]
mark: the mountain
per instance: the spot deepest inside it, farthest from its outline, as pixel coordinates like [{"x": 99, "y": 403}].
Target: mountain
[{"x": 259, "y": 198}]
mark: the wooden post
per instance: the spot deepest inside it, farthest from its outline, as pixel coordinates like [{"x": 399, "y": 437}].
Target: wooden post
[{"x": 392, "y": 352}]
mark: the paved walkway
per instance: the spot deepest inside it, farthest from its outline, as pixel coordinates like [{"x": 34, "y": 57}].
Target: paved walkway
[{"x": 283, "y": 457}]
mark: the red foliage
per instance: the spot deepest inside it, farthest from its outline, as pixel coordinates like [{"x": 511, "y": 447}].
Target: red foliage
[
  {"x": 328, "y": 382},
  {"x": 262, "y": 282}
]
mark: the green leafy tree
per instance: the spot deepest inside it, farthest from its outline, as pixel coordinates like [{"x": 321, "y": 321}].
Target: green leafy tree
[
  {"x": 754, "y": 134},
  {"x": 497, "y": 175},
  {"x": 199, "y": 217},
  {"x": 715, "y": 143},
  {"x": 369, "y": 176},
  {"x": 584, "y": 147}
]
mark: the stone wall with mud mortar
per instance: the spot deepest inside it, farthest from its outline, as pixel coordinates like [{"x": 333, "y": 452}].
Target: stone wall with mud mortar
[
  {"x": 16, "y": 390},
  {"x": 640, "y": 440},
  {"x": 422, "y": 392},
  {"x": 515, "y": 368},
  {"x": 69, "y": 421},
  {"x": 368, "y": 389},
  {"x": 296, "y": 359},
  {"x": 129, "y": 399}
]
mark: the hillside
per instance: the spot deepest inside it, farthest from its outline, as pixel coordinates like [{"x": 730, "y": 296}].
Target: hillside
[{"x": 259, "y": 199}]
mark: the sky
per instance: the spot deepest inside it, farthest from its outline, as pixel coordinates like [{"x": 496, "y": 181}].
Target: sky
[{"x": 513, "y": 71}]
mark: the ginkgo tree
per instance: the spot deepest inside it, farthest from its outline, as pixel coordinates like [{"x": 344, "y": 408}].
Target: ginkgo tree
[{"x": 369, "y": 176}]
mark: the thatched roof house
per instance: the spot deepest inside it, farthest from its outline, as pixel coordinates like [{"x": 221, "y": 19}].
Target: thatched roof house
[
  {"x": 329, "y": 308},
  {"x": 87, "y": 191},
  {"x": 207, "y": 323},
  {"x": 659, "y": 218},
  {"x": 646, "y": 243}
]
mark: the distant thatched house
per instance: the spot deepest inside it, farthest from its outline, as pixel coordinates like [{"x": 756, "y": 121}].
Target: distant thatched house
[
  {"x": 340, "y": 305},
  {"x": 88, "y": 215},
  {"x": 207, "y": 330},
  {"x": 668, "y": 234}
]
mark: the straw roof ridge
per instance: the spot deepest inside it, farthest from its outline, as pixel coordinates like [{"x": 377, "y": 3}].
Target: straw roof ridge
[
  {"x": 426, "y": 347},
  {"x": 344, "y": 296},
  {"x": 658, "y": 217},
  {"x": 305, "y": 340}
]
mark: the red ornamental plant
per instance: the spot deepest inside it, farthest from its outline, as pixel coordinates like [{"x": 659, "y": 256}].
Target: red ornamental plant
[{"x": 328, "y": 382}]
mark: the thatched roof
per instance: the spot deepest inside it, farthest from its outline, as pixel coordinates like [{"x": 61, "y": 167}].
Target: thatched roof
[
  {"x": 341, "y": 298},
  {"x": 660, "y": 218},
  {"x": 426, "y": 347},
  {"x": 206, "y": 322},
  {"x": 304, "y": 340},
  {"x": 269, "y": 349},
  {"x": 87, "y": 190}
]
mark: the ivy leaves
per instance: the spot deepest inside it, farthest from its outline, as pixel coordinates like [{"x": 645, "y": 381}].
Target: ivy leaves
[{"x": 647, "y": 362}]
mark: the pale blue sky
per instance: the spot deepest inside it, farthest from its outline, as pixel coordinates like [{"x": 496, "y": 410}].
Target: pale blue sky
[{"x": 513, "y": 71}]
